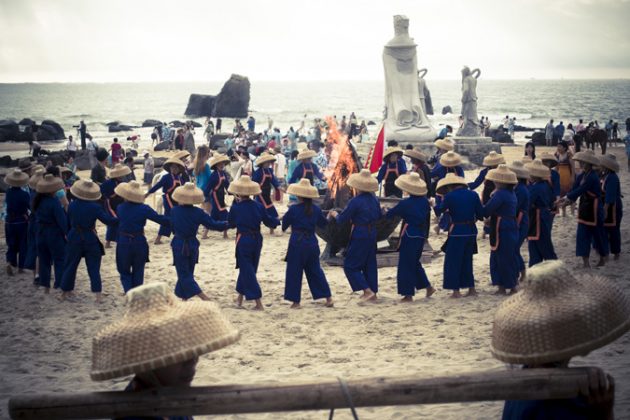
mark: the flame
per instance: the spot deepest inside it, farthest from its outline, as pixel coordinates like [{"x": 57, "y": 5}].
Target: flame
[{"x": 341, "y": 163}]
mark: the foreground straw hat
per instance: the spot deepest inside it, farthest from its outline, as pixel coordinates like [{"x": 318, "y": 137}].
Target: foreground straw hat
[
  {"x": 538, "y": 170},
  {"x": 586, "y": 156},
  {"x": 548, "y": 157},
  {"x": 527, "y": 159},
  {"x": 363, "y": 181},
  {"x": 49, "y": 184},
  {"x": 416, "y": 154},
  {"x": 493, "y": 159},
  {"x": 130, "y": 191},
  {"x": 519, "y": 169},
  {"x": 119, "y": 171},
  {"x": 450, "y": 159},
  {"x": 173, "y": 161},
  {"x": 445, "y": 144},
  {"x": 303, "y": 189},
  {"x": 218, "y": 158},
  {"x": 450, "y": 179},
  {"x": 391, "y": 150},
  {"x": 306, "y": 154},
  {"x": 181, "y": 155},
  {"x": 158, "y": 330},
  {"x": 35, "y": 178},
  {"x": 557, "y": 316},
  {"x": 264, "y": 158},
  {"x": 86, "y": 189},
  {"x": 411, "y": 183},
  {"x": 188, "y": 194},
  {"x": 502, "y": 175},
  {"x": 609, "y": 162},
  {"x": 16, "y": 178},
  {"x": 244, "y": 186}
]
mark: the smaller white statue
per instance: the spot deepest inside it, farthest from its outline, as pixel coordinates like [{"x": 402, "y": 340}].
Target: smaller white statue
[{"x": 470, "y": 125}]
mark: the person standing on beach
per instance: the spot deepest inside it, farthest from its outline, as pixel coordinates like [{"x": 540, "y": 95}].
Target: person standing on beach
[
  {"x": 217, "y": 187},
  {"x": 111, "y": 200},
  {"x": 613, "y": 206},
  {"x": 541, "y": 203},
  {"x": 16, "y": 220},
  {"x": 522, "y": 211},
  {"x": 549, "y": 129},
  {"x": 148, "y": 166},
  {"x": 189, "y": 140},
  {"x": 71, "y": 147},
  {"x": 116, "y": 152},
  {"x": 393, "y": 166},
  {"x": 450, "y": 162},
  {"x": 99, "y": 173},
  {"x": 558, "y": 132},
  {"x": 209, "y": 131},
  {"x": 306, "y": 168},
  {"x": 83, "y": 134},
  {"x": 168, "y": 182},
  {"x": 265, "y": 177}
]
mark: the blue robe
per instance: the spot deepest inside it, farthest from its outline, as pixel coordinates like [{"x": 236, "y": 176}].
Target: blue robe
[
  {"x": 522, "y": 217},
  {"x": 306, "y": 170},
  {"x": 84, "y": 243},
  {"x": 411, "y": 274},
  {"x": 132, "y": 250},
  {"x": 185, "y": 221},
  {"x": 612, "y": 222},
  {"x": 246, "y": 216},
  {"x": 16, "y": 226},
  {"x": 437, "y": 174},
  {"x": 52, "y": 226},
  {"x": 303, "y": 253},
  {"x": 465, "y": 209},
  {"x": 31, "y": 241},
  {"x": 266, "y": 179},
  {"x": 216, "y": 188},
  {"x": 111, "y": 202},
  {"x": 539, "y": 244},
  {"x": 167, "y": 183},
  {"x": 389, "y": 172},
  {"x": 359, "y": 263},
  {"x": 504, "y": 261}
]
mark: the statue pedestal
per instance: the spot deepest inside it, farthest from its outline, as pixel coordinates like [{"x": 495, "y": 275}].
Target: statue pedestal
[
  {"x": 413, "y": 135},
  {"x": 474, "y": 148}
]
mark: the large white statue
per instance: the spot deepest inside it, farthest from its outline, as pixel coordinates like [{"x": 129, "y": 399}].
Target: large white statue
[
  {"x": 470, "y": 126},
  {"x": 405, "y": 118}
]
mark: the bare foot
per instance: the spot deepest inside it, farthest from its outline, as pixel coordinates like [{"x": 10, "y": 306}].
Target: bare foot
[
  {"x": 616, "y": 257},
  {"x": 158, "y": 241},
  {"x": 601, "y": 262},
  {"x": 20, "y": 271},
  {"x": 523, "y": 276},
  {"x": 295, "y": 305},
  {"x": 99, "y": 297},
  {"x": 47, "y": 290},
  {"x": 430, "y": 291},
  {"x": 500, "y": 291},
  {"x": 9, "y": 270},
  {"x": 471, "y": 293},
  {"x": 272, "y": 231},
  {"x": 368, "y": 295},
  {"x": 436, "y": 229},
  {"x": 406, "y": 299},
  {"x": 329, "y": 303},
  {"x": 225, "y": 235},
  {"x": 259, "y": 305},
  {"x": 239, "y": 301},
  {"x": 514, "y": 291},
  {"x": 586, "y": 262},
  {"x": 203, "y": 296},
  {"x": 455, "y": 295}
]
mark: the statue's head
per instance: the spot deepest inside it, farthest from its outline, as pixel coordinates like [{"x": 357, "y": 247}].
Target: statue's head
[
  {"x": 466, "y": 71},
  {"x": 401, "y": 25}
]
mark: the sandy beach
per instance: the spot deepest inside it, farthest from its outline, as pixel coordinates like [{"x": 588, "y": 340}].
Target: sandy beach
[{"x": 46, "y": 344}]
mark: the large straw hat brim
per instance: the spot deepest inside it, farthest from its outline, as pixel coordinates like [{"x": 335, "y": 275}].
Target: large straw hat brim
[
  {"x": 244, "y": 186},
  {"x": 173, "y": 161},
  {"x": 392, "y": 150},
  {"x": 188, "y": 195},
  {"x": 306, "y": 154},
  {"x": 557, "y": 316},
  {"x": 119, "y": 171},
  {"x": 16, "y": 178},
  {"x": 411, "y": 184},
  {"x": 586, "y": 158},
  {"x": 609, "y": 163},
  {"x": 444, "y": 145},
  {"x": 448, "y": 181},
  {"x": 520, "y": 171},
  {"x": 35, "y": 178},
  {"x": 362, "y": 182},
  {"x": 303, "y": 189},
  {"x": 450, "y": 159},
  {"x": 548, "y": 157},
  {"x": 50, "y": 185},
  {"x": 493, "y": 159},
  {"x": 181, "y": 155},
  {"x": 538, "y": 170},
  {"x": 416, "y": 154},
  {"x": 264, "y": 159},
  {"x": 502, "y": 175},
  {"x": 218, "y": 159},
  {"x": 86, "y": 190},
  {"x": 127, "y": 192}
]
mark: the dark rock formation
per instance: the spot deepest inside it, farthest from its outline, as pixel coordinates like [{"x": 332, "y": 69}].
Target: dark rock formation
[
  {"x": 176, "y": 124},
  {"x": 218, "y": 141},
  {"x": 7, "y": 162},
  {"x": 538, "y": 138},
  {"x": 233, "y": 100},
  {"x": 499, "y": 136},
  {"x": 9, "y": 130},
  {"x": 200, "y": 105},
  {"x": 151, "y": 123},
  {"x": 26, "y": 129},
  {"x": 50, "y": 130},
  {"x": 165, "y": 145},
  {"x": 117, "y": 127},
  {"x": 112, "y": 123},
  {"x": 371, "y": 123},
  {"x": 427, "y": 101},
  {"x": 195, "y": 124},
  {"x": 447, "y": 110}
]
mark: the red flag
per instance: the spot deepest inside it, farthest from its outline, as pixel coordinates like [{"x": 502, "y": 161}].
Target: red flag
[{"x": 375, "y": 157}]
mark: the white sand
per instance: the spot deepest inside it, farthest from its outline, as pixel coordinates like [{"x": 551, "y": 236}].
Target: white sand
[{"x": 46, "y": 344}]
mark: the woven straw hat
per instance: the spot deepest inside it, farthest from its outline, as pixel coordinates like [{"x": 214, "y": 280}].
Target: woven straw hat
[
  {"x": 181, "y": 155},
  {"x": 519, "y": 169},
  {"x": 411, "y": 183},
  {"x": 450, "y": 179},
  {"x": 25, "y": 164},
  {"x": 450, "y": 159},
  {"x": 218, "y": 158},
  {"x": 35, "y": 178},
  {"x": 609, "y": 162},
  {"x": 538, "y": 170},
  {"x": 264, "y": 158},
  {"x": 502, "y": 175},
  {"x": 527, "y": 159},
  {"x": 16, "y": 178},
  {"x": 188, "y": 194},
  {"x": 445, "y": 144},
  {"x": 86, "y": 189},
  {"x": 130, "y": 191},
  {"x": 119, "y": 171},
  {"x": 63, "y": 170},
  {"x": 548, "y": 157},
  {"x": 49, "y": 184},
  {"x": 37, "y": 168},
  {"x": 303, "y": 189},
  {"x": 416, "y": 154},
  {"x": 363, "y": 181},
  {"x": 391, "y": 150},
  {"x": 587, "y": 156},
  {"x": 173, "y": 161},
  {"x": 244, "y": 186},
  {"x": 557, "y": 316},
  {"x": 306, "y": 154},
  {"x": 493, "y": 159},
  {"x": 158, "y": 330}
]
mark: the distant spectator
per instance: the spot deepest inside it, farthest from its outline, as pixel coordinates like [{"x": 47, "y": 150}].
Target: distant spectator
[
  {"x": 149, "y": 167},
  {"x": 179, "y": 139},
  {"x": 116, "y": 150},
  {"x": 251, "y": 123},
  {"x": 558, "y": 132},
  {"x": 99, "y": 174},
  {"x": 219, "y": 123},
  {"x": 71, "y": 147},
  {"x": 443, "y": 132},
  {"x": 34, "y": 148},
  {"x": 608, "y": 127},
  {"x": 549, "y": 133},
  {"x": 506, "y": 123},
  {"x": 530, "y": 150},
  {"x": 512, "y": 126},
  {"x": 129, "y": 161}
]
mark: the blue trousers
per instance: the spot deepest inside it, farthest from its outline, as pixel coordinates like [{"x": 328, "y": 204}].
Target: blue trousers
[
  {"x": 587, "y": 235},
  {"x": 504, "y": 261},
  {"x": 247, "y": 258},
  {"x": 31, "y": 245},
  {"x": 131, "y": 256},
  {"x": 165, "y": 230},
  {"x": 411, "y": 274},
  {"x": 91, "y": 252},
  {"x": 185, "y": 257},
  {"x": 304, "y": 257},
  {"x": 359, "y": 264},
  {"x": 458, "y": 262},
  {"x": 17, "y": 245},
  {"x": 51, "y": 251},
  {"x": 613, "y": 233},
  {"x": 522, "y": 235},
  {"x": 542, "y": 249},
  {"x": 111, "y": 233}
]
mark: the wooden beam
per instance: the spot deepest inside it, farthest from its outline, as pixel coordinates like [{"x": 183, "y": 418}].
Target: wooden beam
[{"x": 532, "y": 384}]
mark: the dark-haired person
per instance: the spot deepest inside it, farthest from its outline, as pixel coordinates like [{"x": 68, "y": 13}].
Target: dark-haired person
[{"x": 99, "y": 173}]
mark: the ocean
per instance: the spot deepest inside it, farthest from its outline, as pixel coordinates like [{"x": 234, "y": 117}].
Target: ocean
[{"x": 532, "y": 102}]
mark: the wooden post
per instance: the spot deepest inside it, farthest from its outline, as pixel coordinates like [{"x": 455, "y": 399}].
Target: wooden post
[{"x": 532, "y": 384}]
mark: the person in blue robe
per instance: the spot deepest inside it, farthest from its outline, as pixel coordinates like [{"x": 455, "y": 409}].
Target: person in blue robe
[
  {"x": 265, "y": 177},
  {"x": 541, "y": 203},
  {"x": 613, "y": 205},
  {"x": 522, "y": 211},
  {"x": 111, "y": 200},
  {"x": 306, "y": 168},
  {"x": 168, "y": 182},
  {"x": 17, "y": 201},
  {"x": 217, "y": 187},
  {"x": 449, "y": 163},
  {"x": 31, "y": 252},
  {"x": 393, "y": 167}
]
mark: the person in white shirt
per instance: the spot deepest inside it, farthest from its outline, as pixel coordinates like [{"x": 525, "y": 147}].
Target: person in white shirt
[
  {"x": 71, "y": 147},
  {"x": 280, "y": 166}
]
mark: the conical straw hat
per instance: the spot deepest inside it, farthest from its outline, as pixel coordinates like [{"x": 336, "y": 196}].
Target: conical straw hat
[
  {"x": 188, "y": 194},
  {"x": 303, "y": 189},
  {"x": 35, "y": 178},
  {"x": 586, "y": 156},
  {"x": 363, "y": 181},
  {"x": 130, "y": 191},
  {"x": 49, "y": 184},
  {"x": 538, "y": 170},
  {"x": 173, "y": 161},
  {"x": 412, "y": 184},
  {"x": 445, "y": 144},
  {"x": 557, "y": 316},
  {"x": 493, "y": 159},
  {"x": 264, "y": 158},
  {"x": 450, "y": 179},
  {"x": 306, "y": 154},
  {"x": 548, "y": 157},
  {"x": 450, "y": 159},
  {"x": 119, "y": 171},
  {"x": 391, "y": 150},
  {"x": 86, "y": 189},
  {"x": 156, "y": 331},
  {"x": 244, "y": 186},
  {"x": 502, "y": 175},
  {"x": 218, "y": 158},
  {"x": 416, "y": 154},
  {"x": 527, "y": 159},
  {"x": 609, "y": 162},
  {"x": 181, "y": 155},
  {"x": 63, "y": 170},
  {"x": 16, "y": 178},
  {"x": 519, "y": 169}
]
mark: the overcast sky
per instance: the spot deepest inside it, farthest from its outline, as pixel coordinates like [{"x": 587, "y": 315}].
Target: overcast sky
[{"x": 197, "y": 40}]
